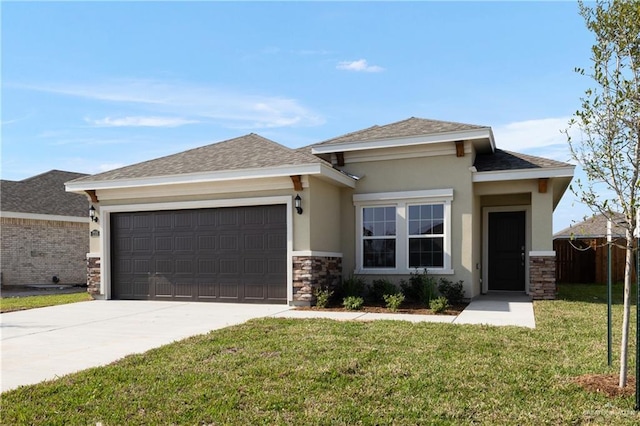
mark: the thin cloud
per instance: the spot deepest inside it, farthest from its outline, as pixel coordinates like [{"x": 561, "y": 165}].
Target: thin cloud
[
  {"x": 193, "y": 103},
  {"x": 140, "y": 122},
  {"x": 360, "y": 65},
  {"x": 533, "y": 134}
]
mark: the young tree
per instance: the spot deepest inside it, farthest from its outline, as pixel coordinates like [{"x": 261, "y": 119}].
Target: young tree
[{"x": 609, "y": 121}]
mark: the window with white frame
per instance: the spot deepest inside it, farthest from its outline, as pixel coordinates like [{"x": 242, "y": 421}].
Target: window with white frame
[
  {"x": 426, "y": 236},
  {"x": 402, "y": 231},
  {"x": 379, "y": 237}
]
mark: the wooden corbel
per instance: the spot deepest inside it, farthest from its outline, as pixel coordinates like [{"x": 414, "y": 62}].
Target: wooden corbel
[
  {"x": 92, "y": 195},
  {"x": 297, "y": 182},
  {"x": 542, "y": 185},
  {"x": 340, "y": 158},
  {"x": 459, "y": 148}
]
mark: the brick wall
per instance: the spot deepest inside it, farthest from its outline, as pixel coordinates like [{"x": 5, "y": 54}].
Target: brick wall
[
  {"x": 312, "y": 272},
  {"x": 33, "y": 251},
  {"x": 542, "y": 277}
]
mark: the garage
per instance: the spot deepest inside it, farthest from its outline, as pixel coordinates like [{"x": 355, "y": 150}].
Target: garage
[{"x": 227, "y": 254}]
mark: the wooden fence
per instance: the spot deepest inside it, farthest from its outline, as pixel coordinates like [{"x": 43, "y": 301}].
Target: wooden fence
[{"x": 585, "y": 261}]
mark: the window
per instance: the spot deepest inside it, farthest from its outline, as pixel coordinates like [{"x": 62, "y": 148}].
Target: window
[
  {"x": 426, "y": 236},
  {"x": 399, "y": 232},
  {"x": 379, "y": 237}
]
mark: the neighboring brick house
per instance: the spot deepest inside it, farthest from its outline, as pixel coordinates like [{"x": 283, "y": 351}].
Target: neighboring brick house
[{"x": 43, "y": 230}]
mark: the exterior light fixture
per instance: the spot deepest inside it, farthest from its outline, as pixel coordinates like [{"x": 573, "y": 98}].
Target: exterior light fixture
[
  {"x": 92, "y": 214},
  {"x": 298, "y": 204}
]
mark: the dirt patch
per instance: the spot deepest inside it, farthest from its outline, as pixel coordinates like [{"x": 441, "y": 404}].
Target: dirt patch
[
  {"x": 408, "y": 309},
  {"x": 606, "y": 383}
]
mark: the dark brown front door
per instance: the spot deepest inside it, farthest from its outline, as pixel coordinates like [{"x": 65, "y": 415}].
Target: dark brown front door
[
  {"x": 507, "y": 251},
  {"x": 231, "y": 254}
]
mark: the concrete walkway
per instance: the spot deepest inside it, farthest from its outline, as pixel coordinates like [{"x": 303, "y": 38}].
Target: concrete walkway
[
  {"x": 46, "y": 343},
  {"x": 499, "y": 309}
]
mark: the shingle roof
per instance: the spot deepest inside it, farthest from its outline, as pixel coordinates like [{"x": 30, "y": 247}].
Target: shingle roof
[
  {"x": 246, "y": 152},
  {"x": 410, "y": 127},
  {"x": 594, "y": 227},
  {"x": 44, "y": 194},
  {"x": 507, "y": 160}
]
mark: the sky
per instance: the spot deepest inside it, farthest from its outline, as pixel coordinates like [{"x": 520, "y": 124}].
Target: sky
[{"x": 92, "y": 86}]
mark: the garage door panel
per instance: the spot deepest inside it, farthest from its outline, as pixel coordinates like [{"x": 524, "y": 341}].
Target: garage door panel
[
  {"x": 235, "y": 254},
  {"x": 254, "y": 242},
  {"x": 207, "y": 290},
  {"x": 207, "y": 267},
  {"x": 229, "y": 290},
  {"x": 228, "y": 266}
]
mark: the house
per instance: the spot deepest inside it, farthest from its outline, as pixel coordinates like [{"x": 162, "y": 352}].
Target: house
[
  {"x": 249, "y": 220},
  {"x": 44, "y": 231},
  {"x": 582, "y": 252}
]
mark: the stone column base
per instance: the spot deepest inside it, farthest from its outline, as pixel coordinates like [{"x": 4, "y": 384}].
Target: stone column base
[
  {"x": 542, "y": 277},
  {"x": 93, "y": 275},
  {"x": 311, "y": 273}
]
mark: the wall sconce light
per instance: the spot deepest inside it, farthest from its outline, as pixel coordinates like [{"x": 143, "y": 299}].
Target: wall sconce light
[
  {"x": 298, "y": 201},
  {"x": 92, "y": 214}
]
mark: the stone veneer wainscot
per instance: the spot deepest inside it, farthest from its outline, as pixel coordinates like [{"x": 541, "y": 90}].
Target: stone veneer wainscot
[
  {"x": 314, "y": 272},
  {"x": 542, "y": 276}
]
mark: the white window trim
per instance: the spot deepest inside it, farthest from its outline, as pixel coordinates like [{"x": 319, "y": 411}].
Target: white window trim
[{"x": 400, "y": 200}]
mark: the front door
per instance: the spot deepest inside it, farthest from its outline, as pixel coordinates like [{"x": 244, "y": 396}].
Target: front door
[{"x": 507, "y": 251}]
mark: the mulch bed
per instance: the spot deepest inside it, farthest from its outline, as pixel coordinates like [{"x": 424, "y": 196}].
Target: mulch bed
[
  {"x": 378, "y": 309},
  {"x": 606, "y": 383}
]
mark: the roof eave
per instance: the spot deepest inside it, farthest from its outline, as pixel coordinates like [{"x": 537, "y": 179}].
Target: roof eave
[
  {"x": 521, "y": 174},
  {"x": 483, "y": 139},
  {"x": 241, "y": 174}
]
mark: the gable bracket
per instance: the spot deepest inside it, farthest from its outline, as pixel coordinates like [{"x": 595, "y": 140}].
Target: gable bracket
[
  {"x": 459, "y": 148},
  {"x": 297, "y": 182},
  {"x": 340, "y": 158},
  {"x": 542, "y": 185},
  {"x": 92, "y": 195}
]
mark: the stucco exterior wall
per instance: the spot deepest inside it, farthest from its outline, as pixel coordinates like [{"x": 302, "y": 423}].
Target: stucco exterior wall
[
  {"x": 324, "y": 216},
  {"x": 413, "y": 174},
  {"x": 33, "y": 251}
]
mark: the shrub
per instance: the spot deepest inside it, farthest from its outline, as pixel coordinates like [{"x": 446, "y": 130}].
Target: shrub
[
  {"x": 379, "y": 288},
  {"x": 452, "y": 291},
  {"x": 393, "y": 301},
  {"x": 420, "y": 288},
  {"x": 353, "y": 303},
  {"x": 439, "y": 305},
  {"x": 322, "y": 297},
  {"x": 352, "y": 286}
]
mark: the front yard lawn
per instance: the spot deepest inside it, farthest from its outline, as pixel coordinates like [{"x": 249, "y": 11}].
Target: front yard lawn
[
  {"x": 284, "y": 371},
  {"x": 9, "y": 304}
]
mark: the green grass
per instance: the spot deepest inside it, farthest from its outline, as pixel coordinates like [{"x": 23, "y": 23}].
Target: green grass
[
  {"x": 283, "y": 371},
  {"x": 10, "y": 304}
]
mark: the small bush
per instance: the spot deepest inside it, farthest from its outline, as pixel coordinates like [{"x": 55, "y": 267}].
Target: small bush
[
  {"x": 393, "y": 301},
  {"x": 452, "y": 291},
  {"x": 352, "y": 286},
  {"x": 420, "y": 288},
  {"x": 353, "y": 303},
  {"x": 439, "y": 305},
  {"x": 379, "y": 288},
  {"x": 322, "y": 297}
]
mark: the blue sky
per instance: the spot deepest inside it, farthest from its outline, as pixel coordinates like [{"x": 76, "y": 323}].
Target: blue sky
[{"x": 92, "y": 86}]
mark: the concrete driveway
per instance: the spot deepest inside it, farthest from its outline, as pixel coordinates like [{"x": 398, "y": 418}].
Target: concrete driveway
[{"x": 45, "y": 343}]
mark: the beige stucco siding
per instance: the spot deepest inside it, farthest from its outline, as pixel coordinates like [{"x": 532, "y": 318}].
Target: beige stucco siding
[
  {"x": 323, "y": 213},
  {"x": 413, "y": 174}
]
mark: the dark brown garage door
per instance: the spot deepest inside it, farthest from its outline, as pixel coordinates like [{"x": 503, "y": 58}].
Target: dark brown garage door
[{"x": 231, "y": 254}]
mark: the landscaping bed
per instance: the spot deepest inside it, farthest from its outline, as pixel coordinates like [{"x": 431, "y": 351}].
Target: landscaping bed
[{"x": 415, "y": 309}]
